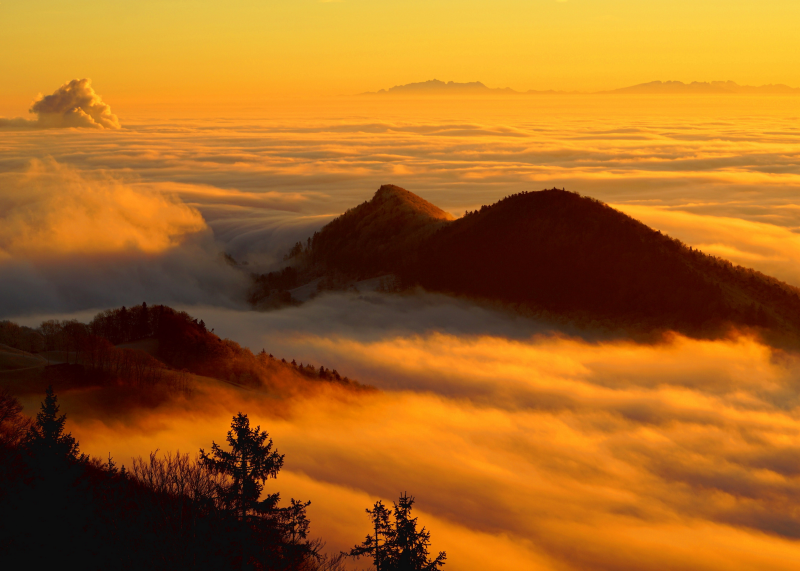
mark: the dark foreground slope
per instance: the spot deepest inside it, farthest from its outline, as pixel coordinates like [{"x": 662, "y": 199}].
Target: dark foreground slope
[{"x": 565, "y": 254}]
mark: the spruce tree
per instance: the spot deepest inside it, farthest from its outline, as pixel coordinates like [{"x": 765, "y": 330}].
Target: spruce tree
[
  {"x": 46, "y": 436},
  {"x": 404, "y": 548},
  {"x": 377, "y": 545},
  {"x": 250, "y": 462},
  {"x": 411, "y": 546},
  {"x": 247, "y": 466}
]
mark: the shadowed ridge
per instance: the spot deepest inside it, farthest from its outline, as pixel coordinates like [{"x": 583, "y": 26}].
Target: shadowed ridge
[
  {"x": 378, "y": 236},
  {"x": 572, "y": 255}
]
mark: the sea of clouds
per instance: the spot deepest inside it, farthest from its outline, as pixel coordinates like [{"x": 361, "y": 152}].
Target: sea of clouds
[
  {"x": 529, "y": 445},
  {"x": 721, "y": 174}
]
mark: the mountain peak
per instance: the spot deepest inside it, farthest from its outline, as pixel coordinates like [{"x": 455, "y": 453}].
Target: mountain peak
[
  {"x": 391, "y": 196},
  {"x": 557, "y": 253},
  {"x": 378, "y": 235},
  {"x": 389, "y": 191}
]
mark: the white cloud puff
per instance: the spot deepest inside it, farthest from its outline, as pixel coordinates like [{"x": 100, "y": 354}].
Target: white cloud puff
[{"x": 74, "y": 104}]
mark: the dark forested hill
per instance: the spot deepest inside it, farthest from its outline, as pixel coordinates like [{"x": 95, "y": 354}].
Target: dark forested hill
[
  {"x": 152, "y": 352},
  {"x": 558, "y": 252}
]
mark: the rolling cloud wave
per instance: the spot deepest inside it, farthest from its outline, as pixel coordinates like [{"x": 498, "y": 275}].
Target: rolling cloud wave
[{"x": 538, "y": 452}]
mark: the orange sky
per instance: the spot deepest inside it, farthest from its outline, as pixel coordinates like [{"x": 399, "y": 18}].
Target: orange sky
[
  {"x": 247, "y": 50},
  {"x": 556, "y": 453}
]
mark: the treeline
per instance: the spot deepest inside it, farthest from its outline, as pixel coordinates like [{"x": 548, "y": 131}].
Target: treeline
[
  {"x": 310, "y": 372},
  {"x": 115, "y": 325},
  {"x": 274, "y": 285},
  {"x": 184, "y": 342},
  {"x": 21, "y": 337},
  {"x": 61, "y": 508}
]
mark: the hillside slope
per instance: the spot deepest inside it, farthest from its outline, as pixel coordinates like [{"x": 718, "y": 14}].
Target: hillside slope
[
  {"x": 566, "y": 253},
  {"x": 378, "y": 236},
  {"x": 150, "y": 353}
]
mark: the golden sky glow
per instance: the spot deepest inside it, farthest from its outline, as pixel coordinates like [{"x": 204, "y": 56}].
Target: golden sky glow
[{"x": 202, "y": 50}]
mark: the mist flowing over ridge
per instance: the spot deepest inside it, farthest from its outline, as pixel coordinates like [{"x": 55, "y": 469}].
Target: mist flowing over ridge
[{"x": 551, "y": 251}]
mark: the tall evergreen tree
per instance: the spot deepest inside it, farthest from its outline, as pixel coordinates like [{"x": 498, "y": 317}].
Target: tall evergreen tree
[
  {"x": 411, "y": 546},
  {"x": 377, "y": 545},
  {"x": 250, "y": 462},
  {"x": 47, "y": 436}
]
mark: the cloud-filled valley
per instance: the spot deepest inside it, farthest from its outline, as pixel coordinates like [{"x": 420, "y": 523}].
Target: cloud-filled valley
[{"x": 548, "y": 452}]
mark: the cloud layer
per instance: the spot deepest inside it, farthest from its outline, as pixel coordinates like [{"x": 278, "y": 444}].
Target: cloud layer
[{"x": 526, "y": 449}]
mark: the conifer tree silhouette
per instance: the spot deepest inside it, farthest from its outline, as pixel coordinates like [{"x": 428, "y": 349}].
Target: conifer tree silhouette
[
  {"x": 295, "y": 526},
  {"x": 379, "y": 514},
  {"x": 404, "y": 547},
  {"x": 46, "y": 436},
  {"x": 249, "y": 464},
  {"x": 411, "y": 546}
]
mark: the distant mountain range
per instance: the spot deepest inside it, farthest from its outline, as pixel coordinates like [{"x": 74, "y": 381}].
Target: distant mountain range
[
  {"x": 552, "y": 252},
  {"x": 705, "y": 87},
  {"x": 434, "y": 87}
]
